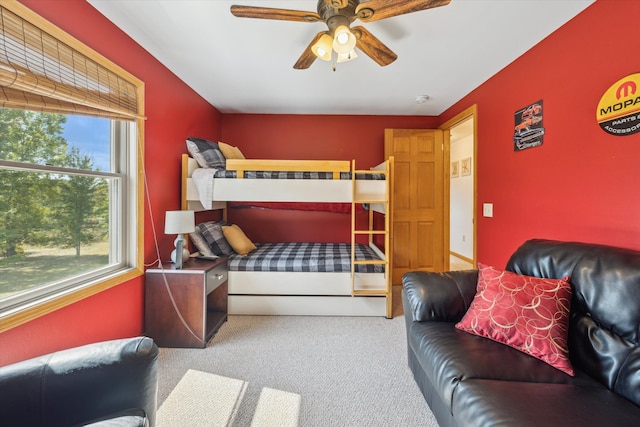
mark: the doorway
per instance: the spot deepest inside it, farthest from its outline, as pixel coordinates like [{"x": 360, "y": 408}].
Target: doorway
[
  {"x": 418, "y": 202},
  {"x": 460, "y": 192}
]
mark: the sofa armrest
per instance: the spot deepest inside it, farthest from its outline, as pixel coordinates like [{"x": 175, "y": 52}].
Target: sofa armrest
[
  {"x": 126, "y": 418},
  {"x": 85, "y": 383},
  {"x": 443, "y": 297}
]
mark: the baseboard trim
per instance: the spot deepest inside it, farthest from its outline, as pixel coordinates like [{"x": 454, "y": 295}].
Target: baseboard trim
[{"x": 462, "y": 257}]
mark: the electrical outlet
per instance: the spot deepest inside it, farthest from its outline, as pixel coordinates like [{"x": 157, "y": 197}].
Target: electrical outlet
[
  {"x": 464, "y": 238},
  {"x": 487, "y": 210}
]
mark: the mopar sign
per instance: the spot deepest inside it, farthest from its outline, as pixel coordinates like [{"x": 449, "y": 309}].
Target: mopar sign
[{"x": 619, "y": 108}]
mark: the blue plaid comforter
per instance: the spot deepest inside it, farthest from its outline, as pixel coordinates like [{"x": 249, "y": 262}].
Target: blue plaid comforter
[
  {"x": 305, "y": 257},
  {"x": 223, "y": 173}
]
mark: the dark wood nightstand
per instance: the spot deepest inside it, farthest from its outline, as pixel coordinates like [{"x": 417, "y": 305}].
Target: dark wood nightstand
[{"x": 199, "y": 290}]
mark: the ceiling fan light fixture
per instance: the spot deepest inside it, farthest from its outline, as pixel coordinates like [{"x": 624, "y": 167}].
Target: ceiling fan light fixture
[
  {"x": 338, "y": 15},
  {"x": 343, "y": 40},
  {"x": 322, "y": 48},
  {"x": 344, "y": 57}
]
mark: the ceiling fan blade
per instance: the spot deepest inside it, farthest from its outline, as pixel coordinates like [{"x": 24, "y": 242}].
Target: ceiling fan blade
[
  {"x": 307, "y": 57},
  {"x": 272, "y": 13},
  {"x": 374, "y": 10},
  {"x": 372, "y": 47}
]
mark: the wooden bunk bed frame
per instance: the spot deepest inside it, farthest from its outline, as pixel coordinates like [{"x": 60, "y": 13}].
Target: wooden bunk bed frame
[{"x": 307, "y": 293}]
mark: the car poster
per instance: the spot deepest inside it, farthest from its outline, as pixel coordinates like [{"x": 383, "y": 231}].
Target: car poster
[{"x": 528, "y": 129}]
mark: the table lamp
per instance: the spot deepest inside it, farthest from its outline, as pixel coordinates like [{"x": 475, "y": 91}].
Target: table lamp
[{"x": 179, "y": 222}]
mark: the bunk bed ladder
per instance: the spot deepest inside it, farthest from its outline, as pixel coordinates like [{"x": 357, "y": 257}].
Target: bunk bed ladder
[{"x": 371, "y": 232}]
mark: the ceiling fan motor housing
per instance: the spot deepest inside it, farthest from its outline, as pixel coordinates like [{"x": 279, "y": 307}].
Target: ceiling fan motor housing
[{"x": 333, "y": 16}]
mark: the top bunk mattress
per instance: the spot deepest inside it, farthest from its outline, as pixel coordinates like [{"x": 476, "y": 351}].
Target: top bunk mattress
[
  {"x": 230, "y": 174},
  {"x": 203, "y": 186},
  {"x": 305, "y": 257}
]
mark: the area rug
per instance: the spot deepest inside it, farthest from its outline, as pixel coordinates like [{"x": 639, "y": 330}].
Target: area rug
[{"x": 203, "y": 399}]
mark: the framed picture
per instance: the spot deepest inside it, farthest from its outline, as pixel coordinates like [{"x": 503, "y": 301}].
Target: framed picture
[
  {"x": 465, "y": 166},
  {"x": 528, "y": 130},
  {"x": 455, "y": 169}
]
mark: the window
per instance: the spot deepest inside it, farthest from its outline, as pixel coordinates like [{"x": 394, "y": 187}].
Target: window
[
  {"x": 63, "y": 202},
  {"x": 70, "y": 152}
]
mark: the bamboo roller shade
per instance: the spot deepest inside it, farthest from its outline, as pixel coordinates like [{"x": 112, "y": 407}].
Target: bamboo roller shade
[{"x": 40, "y": 72}]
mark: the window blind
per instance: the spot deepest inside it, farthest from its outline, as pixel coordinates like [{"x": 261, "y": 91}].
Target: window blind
[{"x": 40, "y": 72}]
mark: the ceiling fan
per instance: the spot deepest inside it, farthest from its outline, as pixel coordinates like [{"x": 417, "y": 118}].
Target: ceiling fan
[{"x": 338, "y": 16}]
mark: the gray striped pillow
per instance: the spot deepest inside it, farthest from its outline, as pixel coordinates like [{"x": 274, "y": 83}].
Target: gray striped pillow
[
  {"x": 200, "y": 243},
  {"x": 212, "y": 233},
  {"x": 206, "y": 153}
]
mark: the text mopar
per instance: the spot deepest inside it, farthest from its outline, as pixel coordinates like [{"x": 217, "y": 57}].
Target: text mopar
[{"x": 619, "y": 106}]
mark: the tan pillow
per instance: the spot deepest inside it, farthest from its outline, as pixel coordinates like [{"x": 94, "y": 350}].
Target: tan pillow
[
  {"x": 230, "y": 152},
  {"x": 237, "y": 239}
]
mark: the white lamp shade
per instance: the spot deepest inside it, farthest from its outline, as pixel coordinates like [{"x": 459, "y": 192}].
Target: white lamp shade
[
  {"x": 344, "y": 57},
  {"x": 343, "y": 40},
  {"x": 322, "y": 48},
  {"x": 178, "y": 222}
]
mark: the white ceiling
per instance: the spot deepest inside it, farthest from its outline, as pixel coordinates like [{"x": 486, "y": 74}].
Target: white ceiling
[{"x": 243, "y": 65}]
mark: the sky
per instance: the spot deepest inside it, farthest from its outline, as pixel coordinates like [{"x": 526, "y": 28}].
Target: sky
[{"x": 91, "y": 136}]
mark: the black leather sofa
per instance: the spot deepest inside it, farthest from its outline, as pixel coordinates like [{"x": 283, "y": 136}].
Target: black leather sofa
[
  {"x": 469, "y": 380},
  {"x": 111, "y": 383}
]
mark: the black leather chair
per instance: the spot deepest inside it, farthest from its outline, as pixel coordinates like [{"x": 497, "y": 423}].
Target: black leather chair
[{"x": 111, "y": 383}]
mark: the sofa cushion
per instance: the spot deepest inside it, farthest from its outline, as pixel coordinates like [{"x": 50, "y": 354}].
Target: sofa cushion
[
  {"x": 530, "y": 314},
  {"x": 612, "y": 360},
  {"x": 507, "y": 403},
  {"x": 443, "y": 297},
  {"x": 604, "y": 331},
  {"x": 606, "y": 280},
  {"x": 449, "y": 356}
]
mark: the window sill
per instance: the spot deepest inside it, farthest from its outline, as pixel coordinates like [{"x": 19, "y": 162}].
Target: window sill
[{"x": 18, "y": 316}]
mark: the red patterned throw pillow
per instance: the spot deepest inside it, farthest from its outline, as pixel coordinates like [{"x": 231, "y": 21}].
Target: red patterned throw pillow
[{"x": 527, "y": 313}]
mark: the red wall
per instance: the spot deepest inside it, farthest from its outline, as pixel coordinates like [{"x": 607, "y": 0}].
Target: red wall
[
  {"x": 582, "y": 183},
  {"x": 174, "y": 112},
  {"x": 331, "y": 137}
]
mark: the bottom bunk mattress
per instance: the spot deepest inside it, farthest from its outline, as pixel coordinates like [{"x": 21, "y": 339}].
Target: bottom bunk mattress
[
  {"x": 306, "y": 279},
  {"x": 306, "y": 257}
]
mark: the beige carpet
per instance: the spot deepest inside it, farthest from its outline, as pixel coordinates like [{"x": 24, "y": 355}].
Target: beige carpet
[
  {"x": 201, "y": 399},
  {"x": 276, "y": 408},
  {"x": 204, "y": 399},
  {"x": 349, "y": 371}
]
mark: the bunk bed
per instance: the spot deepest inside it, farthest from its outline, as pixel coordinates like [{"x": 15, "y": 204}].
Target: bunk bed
[{"x": 261, "y": 285}]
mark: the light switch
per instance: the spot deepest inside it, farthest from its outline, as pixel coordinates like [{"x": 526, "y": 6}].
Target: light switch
[{"x": 487, "y": 210}]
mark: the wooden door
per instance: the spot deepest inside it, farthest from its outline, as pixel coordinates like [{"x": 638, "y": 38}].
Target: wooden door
[{"x": 417, "y": 233}]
